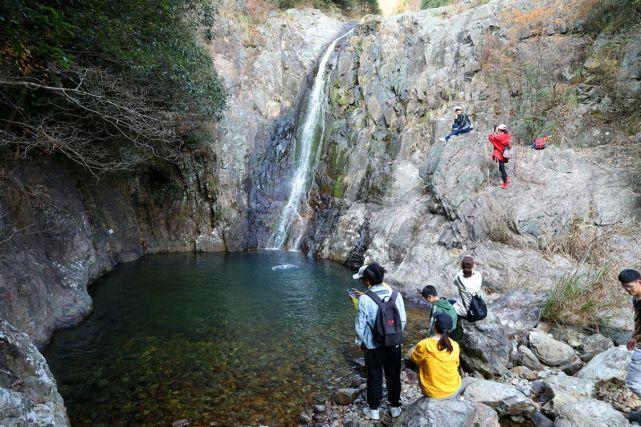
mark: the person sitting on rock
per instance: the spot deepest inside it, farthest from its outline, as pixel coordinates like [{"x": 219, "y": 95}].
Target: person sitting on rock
[
  {"x": 468, "y": 281},
  {"x": 379, "y": 359},
  {"x": 438, "y": 362},
  {"x": 631, "y": 282},
  {"x": 500, "y": 140},
  {"x": 437, "y": 305},
  {"x": 461, "y": 125}
]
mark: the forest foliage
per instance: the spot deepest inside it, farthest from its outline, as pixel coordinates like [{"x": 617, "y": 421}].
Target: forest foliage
[{"x": 109, "y": 84}]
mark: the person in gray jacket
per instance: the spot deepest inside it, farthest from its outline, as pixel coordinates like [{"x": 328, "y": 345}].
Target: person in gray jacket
[{"x": 378, "y": 360}]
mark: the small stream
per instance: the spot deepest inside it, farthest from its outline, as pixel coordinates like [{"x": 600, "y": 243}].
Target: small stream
[{"x": 226, "y": 338}]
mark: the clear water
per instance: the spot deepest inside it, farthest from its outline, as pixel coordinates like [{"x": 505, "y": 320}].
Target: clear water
[{"x": 209, "y": 338}]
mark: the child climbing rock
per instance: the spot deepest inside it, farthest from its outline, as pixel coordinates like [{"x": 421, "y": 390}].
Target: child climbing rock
[{"x": 500, "y": 140}]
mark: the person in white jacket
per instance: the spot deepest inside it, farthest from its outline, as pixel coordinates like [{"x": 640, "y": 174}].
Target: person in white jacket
[{"x": 468, "y": 281}]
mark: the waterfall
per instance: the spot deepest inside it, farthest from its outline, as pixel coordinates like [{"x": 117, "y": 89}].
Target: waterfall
[{"x": 309, "y": 135}]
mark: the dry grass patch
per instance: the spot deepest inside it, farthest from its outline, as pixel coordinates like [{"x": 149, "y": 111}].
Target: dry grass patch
[
  {"x": 580, "y": 298},
  {"x": 583, "y": 243}
]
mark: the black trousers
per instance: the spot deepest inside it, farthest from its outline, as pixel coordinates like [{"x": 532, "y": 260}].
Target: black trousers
[
  {"x": 377, "y": 362},
  {"x": 502, "y": 170}
]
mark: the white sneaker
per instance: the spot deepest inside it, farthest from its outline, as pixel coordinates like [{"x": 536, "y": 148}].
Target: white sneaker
[
  {"x": 442, "y": 139},
  {"x": 371, "y": 414},
  {"x": 396, "y": 412}
]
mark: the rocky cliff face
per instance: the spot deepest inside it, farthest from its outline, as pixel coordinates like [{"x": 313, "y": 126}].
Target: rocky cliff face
[
  {"x": 266, "y": 67},
  {"x": 61, "y": 229},
  {"x": 388, "y": 189},
  {"x": 28, "y": 393}
]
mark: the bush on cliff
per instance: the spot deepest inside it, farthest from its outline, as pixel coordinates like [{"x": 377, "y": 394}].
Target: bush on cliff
[{"x": 108, "y": 84}]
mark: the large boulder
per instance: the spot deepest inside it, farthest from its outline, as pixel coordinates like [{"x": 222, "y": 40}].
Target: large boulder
[
  {"x": 505, "y": 399},
  {"x": 485, "y": 416},
  {"x": 28, "y": 391},
  {"x": 612, "y": 363},
  {"x": 528, "y": 359},
  {"x": 518, "y": 310},
  {"x": 593, "y": 345},
  {"x": 550, "y": 351},
  {"x": 589, "y": 413},
  {"x": 566, "y": 389},
  {"x": 618, "y": 323},
  {"x": 426, "y": 412},
  {"x": 487, "y": 345}
]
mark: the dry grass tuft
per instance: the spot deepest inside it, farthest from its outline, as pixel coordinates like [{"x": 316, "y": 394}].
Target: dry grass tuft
[{"x": 580, "y": 298}]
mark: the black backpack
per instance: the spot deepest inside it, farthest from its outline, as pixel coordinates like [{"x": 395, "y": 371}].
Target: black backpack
[
  {"x": 477, "y": 309},
  {"x": 388, "y": 329}
]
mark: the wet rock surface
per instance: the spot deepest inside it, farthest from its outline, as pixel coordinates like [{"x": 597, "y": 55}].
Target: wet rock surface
[
  {"x": 61, "y": 229},
  {"x": 28, "y": 391}
]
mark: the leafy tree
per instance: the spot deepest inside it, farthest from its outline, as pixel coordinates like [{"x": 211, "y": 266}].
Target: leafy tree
[{"x": 108, "y": 83}]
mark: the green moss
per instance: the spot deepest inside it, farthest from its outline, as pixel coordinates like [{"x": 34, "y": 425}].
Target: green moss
[
  {"x": 338, "y": 188},
  {"x": 338, "y": 96}
]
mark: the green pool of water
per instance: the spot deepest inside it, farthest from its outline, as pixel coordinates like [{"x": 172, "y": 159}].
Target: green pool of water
[{"x": 219, "y": 338}]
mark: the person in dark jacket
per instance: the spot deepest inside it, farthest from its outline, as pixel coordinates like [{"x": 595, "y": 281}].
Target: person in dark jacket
[
  {"x": 500, "y": 140},
  {"x": 631, "y": 281},
  {"x": 461, "y": 125}
]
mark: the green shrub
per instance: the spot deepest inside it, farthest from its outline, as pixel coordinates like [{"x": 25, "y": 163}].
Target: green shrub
[
  {"x": 580, "y": 298},
  {"x": 108, "y": 84},
  {"x": 612, "y": 16},
  {"x": 428, "y": 4}
]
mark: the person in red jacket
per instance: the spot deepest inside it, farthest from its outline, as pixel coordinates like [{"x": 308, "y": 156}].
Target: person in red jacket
[{"x": 500, "y": 140}]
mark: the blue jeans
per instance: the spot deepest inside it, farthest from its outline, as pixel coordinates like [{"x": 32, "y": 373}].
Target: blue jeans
[
  {"x": 458, "y": 131},
  {"x": 633, "y": 379}
]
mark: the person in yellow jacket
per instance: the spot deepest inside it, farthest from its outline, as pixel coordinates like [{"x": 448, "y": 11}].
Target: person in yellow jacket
[{"x": 437, "y": 358}]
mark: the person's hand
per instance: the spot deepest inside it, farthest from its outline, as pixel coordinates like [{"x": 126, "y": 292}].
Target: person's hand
[
  {"x": 362, "y": 347},
  {"x": 357, "y": 292},
  {"x": 631, "y": 344}
]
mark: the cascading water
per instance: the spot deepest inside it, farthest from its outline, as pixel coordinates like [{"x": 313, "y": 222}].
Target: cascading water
[{"x": 309, "y": 136}]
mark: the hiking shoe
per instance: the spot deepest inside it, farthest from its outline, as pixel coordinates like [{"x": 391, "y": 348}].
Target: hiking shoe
[
  {"x": 443, "y": 139},
  {"x": 371, "y": 414},
  {"x": 635, "y": 417},
  {"x": 504, "y": 185},
  {"x": 396, "y": 412}
]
